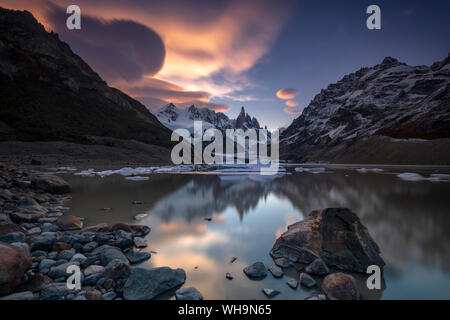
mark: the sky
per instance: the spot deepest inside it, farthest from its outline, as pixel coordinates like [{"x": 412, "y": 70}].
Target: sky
[{"x": 272, "y": 57}]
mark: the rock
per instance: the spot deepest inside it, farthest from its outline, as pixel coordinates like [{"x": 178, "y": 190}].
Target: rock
[
  {"x": 283, "y": 262},
  {"x": 123, "y": 239},
  {"x": 317, "y": 297},
  {"x": 61, "y": 246},
  {"x": 35, "y": 283},
  {"x": 337, "y": 236},
  {"x": 292, "y": 283},
  {"x": 102, "y": 238},
  {"x": 4, "y": 218},
  {"x": 88, "y": 247},
  {"x": 138, "y": 256},
  {"x": 38, "y": 253},
  {"x": 229, "y": 276},
  {"x": 270, "y": 293},
  {"x": 22, "y": 245},
  {"x": 54, "y": 291},
  {"x": 27, "y": 217},
  {"x": 340, "y": 286},
  {"x": 9, "y": 227},
  {"x": 256, "y": 270},
  {"x": 109, "y": 296},
  {"x": 69, "y": 222},
  {"x": 140, "y": 242},
  {"x": 317, "y": 267},
  {"x": 140, "y": 230},
  {"x": 102, "y": 227},
  {"x": 26, "y": 295},
  {"x": 28, "y": 204},
  {"x": 92, "y": 280},
  {"x": 276, "y": 271},
  {"x": 14, "y": 262},
  {"x": 34, "y": 231},
  {"x": 109, "y": 284},
  {"x": 66, "y": 254},
  {"x": 306, "y": 280},
  {"x": 78, "y": 257},
  {"x": 189, "y": 293},
  {"x": 60, "y": 271},
  {"x": 107, "y": 253},
  {"x": 51, "y": 184},
  {"x": 94, "y": 295},
  {"x": 46, "y": 264},
  {"x": 146, "y": 284},
  {"x": 93, "y": 269},
  {"x": 13, "y": 237},
  {"x": 44, "y": 243},
  {"x": 117, "y": 270},
  {"x": 138, "y": 202},
  {"x": 121, "y": 226}
]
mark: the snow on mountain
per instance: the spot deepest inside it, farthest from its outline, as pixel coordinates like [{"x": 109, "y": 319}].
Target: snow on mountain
[
  {"x": 174, "y": 118},
  {"x": 390, "y": 99}
]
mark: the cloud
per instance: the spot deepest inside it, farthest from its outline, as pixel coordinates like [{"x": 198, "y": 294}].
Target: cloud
[
  {"x": 292, "y": 111},
  {"x": 291, "y": 103},
  {"x": 287, "y": 93}
]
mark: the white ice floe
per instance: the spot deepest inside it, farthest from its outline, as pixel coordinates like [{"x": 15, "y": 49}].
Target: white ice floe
[
  {"x": 365, "y": 170},
  {"x": 137, "y": 178},
  {"x": 180, "y": 168},
  {"x": 310, "y": 170},
  {"x": 435, "y": 177}
]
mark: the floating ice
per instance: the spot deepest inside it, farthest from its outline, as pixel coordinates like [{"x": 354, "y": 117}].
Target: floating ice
[
  {"x": 137, "y": 178},
  {"x": 410, "y": 176},
  {"x": 310, "y": 170}
]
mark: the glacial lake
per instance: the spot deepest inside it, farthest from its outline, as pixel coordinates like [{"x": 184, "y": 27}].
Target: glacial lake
[{"x": 410, "y": 221}]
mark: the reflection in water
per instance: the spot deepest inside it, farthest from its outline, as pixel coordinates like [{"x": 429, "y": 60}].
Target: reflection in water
[{"x": 409, "y": 221}]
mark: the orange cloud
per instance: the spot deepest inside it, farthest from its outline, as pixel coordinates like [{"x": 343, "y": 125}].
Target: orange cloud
[
  {"x": 292, "y": 111},
  {"x": 291, "y": 103},
  {"x": 287, "y": 93}
]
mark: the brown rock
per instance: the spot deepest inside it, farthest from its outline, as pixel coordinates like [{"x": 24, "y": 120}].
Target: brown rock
[
  {"x": 340, "y": 286},
  {"x": 35, "y": 284},
  {"x": 121, "y": 226},
  {"x": 14, "y": 262},
  {"x": 337, "y": 236},
  {"x": 94, "y": 295},
  {"x": 8, "y": 227},
  {"x": 28, "y": 217},
  {"x": 102, "y": 227},
  {"x": 61, "y": 246},
  {"x": 140, "y": 230},
  {"x": 69, "y": 222},
  {"x": 50, "y": 183}
]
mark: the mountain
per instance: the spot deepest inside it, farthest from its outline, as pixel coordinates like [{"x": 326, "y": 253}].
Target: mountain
[
  {"x": 380, "y": 114},
  {"x": 173, "y": 118},
  {"x": 47, "y": 92}
]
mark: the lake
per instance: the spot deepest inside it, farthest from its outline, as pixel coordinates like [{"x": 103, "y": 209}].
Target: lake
[{"x": 409, "y": 220}]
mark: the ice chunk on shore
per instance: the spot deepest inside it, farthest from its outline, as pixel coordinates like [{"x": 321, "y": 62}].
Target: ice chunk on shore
[
  {"x": 310, "y": 170},
  {"x": 180, "y": 168},
  {"x": 410, "y": 176}
]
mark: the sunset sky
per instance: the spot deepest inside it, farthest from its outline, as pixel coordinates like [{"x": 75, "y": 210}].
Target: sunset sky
[{"x": 272, "y": 57}]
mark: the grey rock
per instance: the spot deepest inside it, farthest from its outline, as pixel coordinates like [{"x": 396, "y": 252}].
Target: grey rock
[
  {"x": 54, "y": 291},
  {"x": 107, "y": 253},
  {"x": 60, "y": 271},
  {"x": 109, "y": 296},
  {"x": 92, "y": 280},
  {"x": 88, "y": 247},
  {"x": 26, "y": 295},
  {"x": 46, "y": 264},
  {"x": 138, "y": 256},
  {"x": 13, "y": 237},
  {"x": 4, "y": 218},
  {"x": 44, "y": 243},
  {"x": 66, "y": 254},
  {"x": 123, "y": 239},
  {"x": 306, "y": 280},
  {"x": 292, "y": 283},
  {"x": 276, "y": 271},
  {"x": 78, "y": 257},
  {"x": 270, "y": 293},
  {"x": 140, "y": 242},
  {"x": 188, "y": 293},
  {"x": 116, "y": 270},
  {"x": 317, "y": 267},
  {"x": 22, "y": 245},
  {"x": 229, "y": 276},
  {"x": 146, "y": 284},
  {"x": 256, "y": 271},
  {"x": 283, "y": 262},
  {"x": 93, "y": 269}
]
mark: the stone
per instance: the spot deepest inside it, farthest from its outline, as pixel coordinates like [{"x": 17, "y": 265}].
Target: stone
[
  {"x": 26, "y": 295},
  {"x": 188, "y": 293},
  {"x": 340, "y": 286},
  {"x": 27, "y": 217},
  {"x": 121, "y": 226},
  {"x": 228, "y": 276},
  {"x": 146, "y": 284},
  {"x": 319, "y": 297},
  {"x": 88, "y": 247},
  {"x": 270, "y": 293},
  {"x": 61, "y": 246},
  {"x": 51, "y": 184},
  {"x": 46, "y": 264},
  {"x": 123, "y": 239},
  {"x": 9, "y": 227},
  {"x": 306, "y": 280},
  {"x": 283, "y": 263},
  {"x": 54, "y": 291},
  {"x": 317, "y": 267},
  {"x": 138, "y": 256},
  {"x": 93, "y": 269},
  {"x": 102, "y": 227},
  {"x": 292, "y": 283},
  {"x": 69, "y": 222},
  {"x": 276, "y": 271},
  {"x": 102, "y": 238},
  {"x": 78, "y": 257},
  {"x": 140, "y": 242},
  {"x": 109, "y": 296},
  {"x": 35, "y": 283},
  {"x": 35, "y": 230},
  {"x": 92, "y": 280},
  {"x": 14, "y": 262},
  {"x": 335, "y": 235},
  {"x": 107, "y": 253},
  {"x": 60, "y": 271},
  {"x": 109, "y": 284},
  {"x": 94, "y": 295},
  {"x": 13, "y": 237},
  {"x": 116, "y": 270},
  {"x": 44, "y": 243},
  {"x": 140, "y": 230},
  {"x": 256, "y": 271},
  {"x": 22, "y": 245},
  {"x": 4, "y": 218},
  {"x": 66, "y": 254}
]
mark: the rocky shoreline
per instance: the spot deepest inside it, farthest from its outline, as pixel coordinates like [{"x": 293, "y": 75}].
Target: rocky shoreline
[{"x": 40, "y": 244}]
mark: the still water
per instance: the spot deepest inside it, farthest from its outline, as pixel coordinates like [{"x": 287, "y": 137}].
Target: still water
[{"x": 410, "y": 221}]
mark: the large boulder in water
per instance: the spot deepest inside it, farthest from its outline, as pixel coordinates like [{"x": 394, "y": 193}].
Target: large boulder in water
[
  {"x": 14, "y": 262},
  {"x": 335, "y": 235}
]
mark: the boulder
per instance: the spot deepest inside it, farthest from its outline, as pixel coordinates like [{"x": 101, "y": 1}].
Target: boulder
[
  {"x": 276, "y": 271},
  {"x": 107, "y": 253},
  {"x": 54, "y": 291},
  {"x": 93, "y": 269},
  {"x": 188, "y": 293},
  {"x": 256, "y": 271},
  {"x": 94, "y": 295},
  {"x": 117, "y": 270},
  {"x": 306, "y": 280},
  {"x": 317, "y": 268},
  {"x": 146, "y": 284},
  {"x": 140, "y": 242},
  {"x": 50, "y": 183},
  {"x": 337, "y": 236},
  {"x": 340, "y": 286},
  {"x": 14, "y": 262},
  {"x": 138, "y": 256},
  {"x": 69, "y": 222}
]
